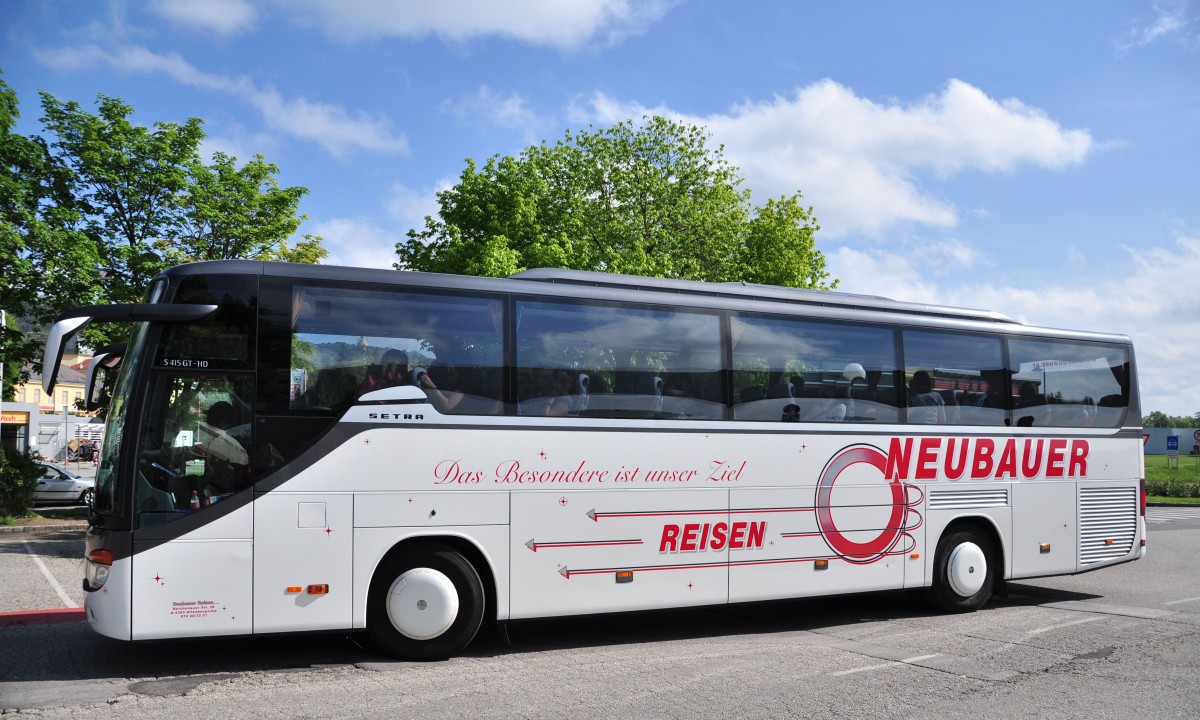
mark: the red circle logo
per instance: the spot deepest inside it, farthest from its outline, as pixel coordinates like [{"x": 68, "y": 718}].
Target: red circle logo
[{"x": 885, "y": 541}]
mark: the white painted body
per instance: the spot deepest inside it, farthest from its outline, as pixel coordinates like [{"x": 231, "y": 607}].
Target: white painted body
[{"x": 556, "y": 510}]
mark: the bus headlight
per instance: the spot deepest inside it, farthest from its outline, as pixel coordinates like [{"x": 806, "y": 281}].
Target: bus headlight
[{"x": 99, "y": 564}]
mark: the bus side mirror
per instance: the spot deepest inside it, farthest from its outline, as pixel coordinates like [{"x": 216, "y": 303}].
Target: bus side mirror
[{"x": 102, "y": 372}]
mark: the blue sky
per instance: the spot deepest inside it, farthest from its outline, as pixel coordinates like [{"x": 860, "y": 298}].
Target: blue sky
[{"x": 1040, "y": 159}]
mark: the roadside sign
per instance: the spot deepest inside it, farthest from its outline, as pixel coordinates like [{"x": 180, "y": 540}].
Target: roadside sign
[{"x": 1173, "y": 442}]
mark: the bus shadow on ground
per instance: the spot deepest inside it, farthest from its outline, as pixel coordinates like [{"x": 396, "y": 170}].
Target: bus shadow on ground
[
  {"x": 73, "y": 652},
  {"x": 1037, "y": 595},
  {"x": 781, "y": 616}
]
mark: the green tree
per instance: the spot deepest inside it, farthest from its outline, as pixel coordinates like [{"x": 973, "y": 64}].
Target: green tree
[
  {"x": 1159, "y": 419},
  {"x": 46, "y": 262},
  {"x": 145, "y": 200},
  {"x": 231, "y": 212},
  {"x": 18, "y": 480},
  {"x": 650, "y": 199},
  {"x": 126, "y": 181}
]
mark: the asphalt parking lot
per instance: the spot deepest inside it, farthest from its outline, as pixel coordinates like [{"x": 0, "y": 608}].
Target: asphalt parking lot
[{"x": 1120, "y": 642}]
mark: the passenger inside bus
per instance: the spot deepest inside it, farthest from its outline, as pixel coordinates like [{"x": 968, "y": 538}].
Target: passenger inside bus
[
  {"x": 924, "y": 405},
  {"x": 226, "y": 462},
  {"x": 391, "y": 370},
  {"x": 436, "y": 382}
]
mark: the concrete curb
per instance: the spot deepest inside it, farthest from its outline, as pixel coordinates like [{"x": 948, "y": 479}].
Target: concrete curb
[
  {"x": 41, "y": 617},
  {"x": 5, "y": 529}
]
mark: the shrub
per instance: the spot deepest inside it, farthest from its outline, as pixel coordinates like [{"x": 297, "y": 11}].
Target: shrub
[
  {"x": 1173, "y": 488},
  {"x": 18, "y": 479}
]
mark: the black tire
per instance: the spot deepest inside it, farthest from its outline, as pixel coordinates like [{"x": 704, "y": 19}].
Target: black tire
[
  {"x": 87, "y": 497},
  {"x": 434, "y": 578},
  {"x": 955, "y": 568}
]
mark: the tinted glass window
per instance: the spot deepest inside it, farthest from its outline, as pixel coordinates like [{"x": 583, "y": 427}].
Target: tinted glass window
[
  {"x": 222, "y": 341},
  {"x": 1058, "y": 383},
  {"x": 348, "y": 342},
  {"x": 196, "y": 442},
  {"x": 804, "y": 371},
  {"x": 617, "y": 361},
  {"x": 955, "y": 378}
]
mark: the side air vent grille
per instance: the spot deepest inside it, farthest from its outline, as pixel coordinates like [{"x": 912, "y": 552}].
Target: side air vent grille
[
  {"x": 967, "y": 499},
  {"x": 1107, "y": 523}
]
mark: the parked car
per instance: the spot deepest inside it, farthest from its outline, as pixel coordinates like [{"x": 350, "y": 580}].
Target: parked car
[{"x": 57, "y": 485}]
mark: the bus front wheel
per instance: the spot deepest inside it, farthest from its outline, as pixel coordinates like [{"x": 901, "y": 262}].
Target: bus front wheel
[
  {"x": 963, "y": 576},
  {"x": 426, "y": 603}
]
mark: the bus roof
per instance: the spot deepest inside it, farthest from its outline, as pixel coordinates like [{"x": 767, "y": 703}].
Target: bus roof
[
  {"x": 821, "y": 298},
  {"x": 631, "y": 288}
]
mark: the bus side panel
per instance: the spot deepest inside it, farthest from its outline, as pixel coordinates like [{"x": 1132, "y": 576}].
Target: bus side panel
[
  {"x": 1044, "y": 514},
  {"x": 193, "y": 588},
  {"x": 372, "y": 543},
  {"x": 867, "y": 552},
  {"x": 431, "y": 509},
  {"x": 1111, "y": 528},
  {"x": 198, "y": 585},
  {"x": 303, "y": 541},
  {"x": 567, "y": 547}
]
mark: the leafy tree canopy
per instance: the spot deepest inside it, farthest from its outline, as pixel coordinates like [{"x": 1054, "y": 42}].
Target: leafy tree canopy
[
  {"x": 45, "y": 260},
  {"x": 1160, "y": 419},
  {"x": 650, "y": 199},
  {"x": 97, "y": 207}
]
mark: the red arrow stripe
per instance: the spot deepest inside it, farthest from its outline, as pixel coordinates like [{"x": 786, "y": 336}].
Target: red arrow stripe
[
  {"x": 567, "y": 573},
  {"x": 535, "y": 546},
  {"x": 676, "y": 513}
]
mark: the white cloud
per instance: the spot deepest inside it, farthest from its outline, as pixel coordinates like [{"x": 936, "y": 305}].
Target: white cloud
[
  {"x": 409, "y": 207},
  {"x": 504, "y": 110},
  {"x": 1170, "y": 21},
  {"x": 541, "y": 22},
  {"x": 1154, "y": 303},
  {"x": 858, "y": 161},
  {"x": 337, "y": 130},
  {"x": 222, "y": 17},
  {"x": 357, "y": 242}
]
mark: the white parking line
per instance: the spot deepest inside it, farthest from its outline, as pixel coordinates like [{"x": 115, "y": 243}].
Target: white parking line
[
  {"x": 62, "y": 595},
  {"x": 905, "y": 661},
  {"x": 1063, "y": 625},
  {"x": 1185, "y": 600}
]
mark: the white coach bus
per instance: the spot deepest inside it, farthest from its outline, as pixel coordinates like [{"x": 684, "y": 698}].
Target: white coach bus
[{"x": 306, "y": 448}]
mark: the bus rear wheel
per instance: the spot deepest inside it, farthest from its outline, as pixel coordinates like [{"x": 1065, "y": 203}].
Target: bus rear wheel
[
  {"x": 426, "y": 603},
  {"x": 963, "y": 573}
]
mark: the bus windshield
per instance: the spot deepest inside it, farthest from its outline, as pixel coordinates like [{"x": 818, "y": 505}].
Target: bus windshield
[{"x": 110, "y": 452}]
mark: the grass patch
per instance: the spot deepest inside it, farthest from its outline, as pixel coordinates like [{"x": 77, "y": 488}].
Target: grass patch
[
  {"x": 70, "y": 512},
  {"x": 1176, "y": 483},
  {"x": 1187, "y": 469},
  {"x": 7, "y": 520},
  {"x": 1172, "y": 500}
]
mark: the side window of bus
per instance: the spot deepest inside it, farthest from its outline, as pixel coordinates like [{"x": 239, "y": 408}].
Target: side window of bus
[
  {"x": 594, "y": 360},
  {"x": 1057, "y": 383},
  {"x": 349, "y": 342},
  {"x": 792, "y": 370},
  {"x": 196, "y": 442},
  {"x": 956, "y": 378}
]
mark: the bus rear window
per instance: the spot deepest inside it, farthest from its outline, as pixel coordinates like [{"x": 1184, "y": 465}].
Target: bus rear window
[{"x": 1059, "y": 383}]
